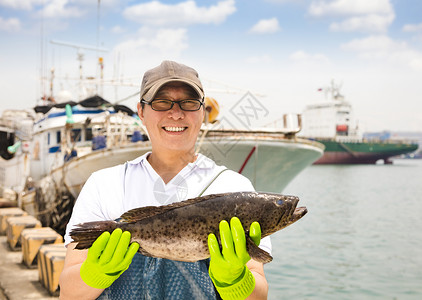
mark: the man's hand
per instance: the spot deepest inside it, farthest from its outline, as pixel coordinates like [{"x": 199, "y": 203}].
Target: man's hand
[
  {"x": 108, "y": 257},
  {"x": 228, "y": 270}
]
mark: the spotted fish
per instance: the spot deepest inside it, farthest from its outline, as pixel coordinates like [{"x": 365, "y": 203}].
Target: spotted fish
[{"x": 179, "y": 231}]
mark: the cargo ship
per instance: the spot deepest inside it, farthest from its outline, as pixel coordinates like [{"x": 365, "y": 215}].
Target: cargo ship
[{"x": 333, "y": 124}]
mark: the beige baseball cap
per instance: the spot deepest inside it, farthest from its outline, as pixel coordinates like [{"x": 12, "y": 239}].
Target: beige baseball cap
[{"x": 169, "y": 71}]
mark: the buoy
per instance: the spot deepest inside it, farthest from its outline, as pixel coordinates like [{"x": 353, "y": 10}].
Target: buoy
[{"x": 212, "y": 109}]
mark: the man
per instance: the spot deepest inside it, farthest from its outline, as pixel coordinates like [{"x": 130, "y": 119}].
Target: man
[{"x": 172, "y": 109}]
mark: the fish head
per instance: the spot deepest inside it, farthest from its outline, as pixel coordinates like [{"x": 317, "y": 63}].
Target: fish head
[{"x": 280, "y": 211}]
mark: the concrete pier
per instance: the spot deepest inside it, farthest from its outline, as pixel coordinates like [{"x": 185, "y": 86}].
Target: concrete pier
[{"x": 16, "y": 280}]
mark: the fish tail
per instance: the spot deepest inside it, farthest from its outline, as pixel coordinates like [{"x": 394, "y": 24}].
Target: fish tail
[{"x": 86, "y": 233}]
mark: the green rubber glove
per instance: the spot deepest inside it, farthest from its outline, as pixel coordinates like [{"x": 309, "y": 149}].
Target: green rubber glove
[
  {"x": 228, "y": 271},
  {"x": 108, "y": 257}
]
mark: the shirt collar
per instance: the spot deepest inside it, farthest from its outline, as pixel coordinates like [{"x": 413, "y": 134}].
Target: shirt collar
[
  {"x": 202, "y": 162},
  {"x": 139, "y": 159}
]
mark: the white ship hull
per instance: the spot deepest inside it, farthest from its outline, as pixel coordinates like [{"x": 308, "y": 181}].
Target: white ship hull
[{"x": 270, "y": 164}]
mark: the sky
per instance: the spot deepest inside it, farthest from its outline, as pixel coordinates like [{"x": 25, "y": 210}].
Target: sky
[{"x": 280, "y": 51}]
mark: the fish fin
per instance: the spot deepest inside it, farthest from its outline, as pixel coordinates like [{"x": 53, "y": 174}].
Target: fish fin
[
  {"x": 144, "y": 252},
  {"x": 141, "y": 213},
  {"x": 86, "y": 233},
  {"x": 257, "y": 253}
]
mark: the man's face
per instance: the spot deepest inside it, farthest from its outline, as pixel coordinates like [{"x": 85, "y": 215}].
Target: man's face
[{"x": 175, "y": 129}]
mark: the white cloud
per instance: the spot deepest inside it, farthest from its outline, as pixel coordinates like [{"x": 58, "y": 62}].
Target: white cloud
[
  {"x": 161, "y": 42},
  {"x": 266, "y": 26},
  {"x": 377, "y": 44},
  {"x": 47, "y": 8},
  {"x": 412, "y": 27},
  {"x": 180, "y": 14},
  {"x": 359, "y": 15},
  {"x": 369, "y": 23},
  {"x": 302, "y": 56},
  {"x": 32, "y": 4},
  {"x": 60, "y": 9},
  {"x": 383, "y": 48},
  {"x": 148, "y": 48},
  {"x": 21, "y": 4},
  {"x": 10, "y": 25},
  {"x": 350, "y": 7},
  {"x": 104, "y": 3}
]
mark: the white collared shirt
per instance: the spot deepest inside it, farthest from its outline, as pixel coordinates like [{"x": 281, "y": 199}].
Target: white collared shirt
[{"x": 110, "y": 192}]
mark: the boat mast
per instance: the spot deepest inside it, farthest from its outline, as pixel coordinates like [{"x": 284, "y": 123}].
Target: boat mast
[
  {"x": 99, "y": 59},
  {"x": 80, "y": 58},
  {"x": 335, "y": 91},
  {"x": 42, "y": 61}
]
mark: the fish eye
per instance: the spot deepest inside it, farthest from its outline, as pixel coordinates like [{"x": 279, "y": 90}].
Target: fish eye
[{"x": 280, "y": 202}]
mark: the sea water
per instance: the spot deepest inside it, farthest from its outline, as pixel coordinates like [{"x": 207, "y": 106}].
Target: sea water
[{"x": 361, "y": 238}]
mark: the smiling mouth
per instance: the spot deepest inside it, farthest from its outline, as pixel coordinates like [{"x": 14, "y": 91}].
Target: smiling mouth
[{"x": 175, "y": 129}]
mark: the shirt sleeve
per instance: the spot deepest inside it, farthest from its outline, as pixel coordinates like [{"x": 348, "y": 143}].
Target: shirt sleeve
[
  {"x": 87, "y": 207},
  {"x": 100, "y": 199}
]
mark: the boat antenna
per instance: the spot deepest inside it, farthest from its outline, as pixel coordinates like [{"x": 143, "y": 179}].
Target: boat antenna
[
  {"x": 42, "y": 60},
  {"x": 80, "y": 57},
  {"x": 99, "y": 59},
  {"x": 334, "y": 89},
  {"x": 98, "y": 25}
]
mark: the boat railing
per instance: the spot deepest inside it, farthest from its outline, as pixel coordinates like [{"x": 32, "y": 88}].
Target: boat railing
[
  {"x": 356, "y": 140},
  {"x": 289, "y": 125},
  {"x": 403, "y": 141},
  {"x": 118, "y": 130},
  {"x": 115, "y": 130}
]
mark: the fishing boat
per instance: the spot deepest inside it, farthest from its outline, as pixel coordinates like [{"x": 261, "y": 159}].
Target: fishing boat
[
  {"x": 333, "y": 124},
  {"x": 38, "y": 166}
]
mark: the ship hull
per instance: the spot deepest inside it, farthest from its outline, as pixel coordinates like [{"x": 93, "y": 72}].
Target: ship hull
[
  {"x": 337, "y": 152},
  {"x": 258, "y": 158},
  {"x": 270, "y": 164}
]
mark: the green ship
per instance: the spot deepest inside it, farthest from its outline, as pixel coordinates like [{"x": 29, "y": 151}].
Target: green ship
[{"x": 332, "y": 123}]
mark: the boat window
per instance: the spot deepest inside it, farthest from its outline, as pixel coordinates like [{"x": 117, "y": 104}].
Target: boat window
[
  {"x": 48, "y": 138},
  {"x": 88, "y": 134},
  {"x": 58, "y": 137},
  {"x": 76, "y": 135}
]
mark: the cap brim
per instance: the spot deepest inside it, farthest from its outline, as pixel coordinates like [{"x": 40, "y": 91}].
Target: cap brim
[{"x": 150, "y": 94}]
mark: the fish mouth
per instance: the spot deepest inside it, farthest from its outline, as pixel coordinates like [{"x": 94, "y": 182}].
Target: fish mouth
[{"x": 299, "y": 213}]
